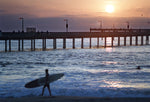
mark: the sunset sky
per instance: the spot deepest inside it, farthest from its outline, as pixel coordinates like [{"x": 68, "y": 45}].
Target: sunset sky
[{"x": 50, "y": 14}]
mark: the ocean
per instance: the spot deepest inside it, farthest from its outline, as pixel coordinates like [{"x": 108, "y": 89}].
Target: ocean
[{"x": 102, "y": 72}]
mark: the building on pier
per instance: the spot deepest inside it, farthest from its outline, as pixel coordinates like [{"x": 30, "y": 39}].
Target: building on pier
[{"x": 31, "y": 29}]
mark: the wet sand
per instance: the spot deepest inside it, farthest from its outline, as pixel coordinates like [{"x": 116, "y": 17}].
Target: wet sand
[{"x": 72, "y": 99}]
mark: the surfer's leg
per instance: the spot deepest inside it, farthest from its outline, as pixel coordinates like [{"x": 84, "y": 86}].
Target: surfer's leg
[
  {"x": 48, "y": 86},
  {"x": 43, "y": 90}
]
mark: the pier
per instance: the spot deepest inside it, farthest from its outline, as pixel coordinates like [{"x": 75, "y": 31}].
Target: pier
[{"x": 140, "y": 35}]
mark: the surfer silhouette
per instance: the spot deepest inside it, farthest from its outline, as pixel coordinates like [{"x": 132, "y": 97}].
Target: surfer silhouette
[
  {"x": 46, "y": 83},
  {"x": 138, "y": 68}
]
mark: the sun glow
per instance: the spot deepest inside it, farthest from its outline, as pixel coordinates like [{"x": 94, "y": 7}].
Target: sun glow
[{"x": 109, "y": 8}]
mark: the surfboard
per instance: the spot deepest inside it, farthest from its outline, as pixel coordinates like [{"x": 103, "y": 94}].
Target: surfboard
[{"x": 41, "y": 81}]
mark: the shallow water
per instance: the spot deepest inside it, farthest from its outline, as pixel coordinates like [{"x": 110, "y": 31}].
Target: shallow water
[{"x": 109, "y": 72}]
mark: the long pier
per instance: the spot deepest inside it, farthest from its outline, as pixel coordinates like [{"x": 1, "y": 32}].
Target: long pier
[{"x": 94, "y": 33}]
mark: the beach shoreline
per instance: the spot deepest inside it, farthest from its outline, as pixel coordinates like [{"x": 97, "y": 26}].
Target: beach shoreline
[{"x": 74, "y": 99}]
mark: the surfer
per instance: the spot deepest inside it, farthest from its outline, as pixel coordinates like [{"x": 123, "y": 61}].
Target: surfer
[
  {"x": 138, "y": 68},
  {"x": 46, "y": 83}
]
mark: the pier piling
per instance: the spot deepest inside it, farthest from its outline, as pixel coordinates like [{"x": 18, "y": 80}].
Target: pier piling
[
  {"x": 73, "y": 43},
  {"x": 82, "y": 43},
  {"x": 32, "y": 44},
  {"x": 19, "y": 45},
  {"x": 119, "y": 41},
  {"x": 125, "y": 41},
  {"x": 44, "y": 44},
  {"x": 54, "y": 43},
  {"x": 130, "y": 40},
  {"x": 9, "y": 45},
  {"x": 22, "y": 45},
  {"x": 64, "y": 43},
  {"x": 5, "y": 45},
  {"x": 90, "y": 42},
  {"x": 136, "y": 40},
  {"x": 105, "y": 42},
  {"x": 98, "y": 42},
  {"x": 112, "y": 41},
  {"x": 141, "y": 40},
  {"x": 147, "y": 40}
]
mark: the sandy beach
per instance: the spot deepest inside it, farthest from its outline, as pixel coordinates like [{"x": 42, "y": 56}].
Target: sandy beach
[{"x": 72, "y": 99}]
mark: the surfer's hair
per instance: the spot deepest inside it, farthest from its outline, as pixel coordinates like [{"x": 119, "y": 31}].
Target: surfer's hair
[{"x": 46, "y": 70}]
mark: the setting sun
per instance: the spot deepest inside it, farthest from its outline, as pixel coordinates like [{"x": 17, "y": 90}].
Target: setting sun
[{"x": 109, "y": 8}]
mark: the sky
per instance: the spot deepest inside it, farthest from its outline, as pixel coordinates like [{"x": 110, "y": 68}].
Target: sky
[{"x": 81, "y": 14}]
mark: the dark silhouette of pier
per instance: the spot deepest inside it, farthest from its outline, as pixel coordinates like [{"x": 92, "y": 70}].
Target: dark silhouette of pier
[{"x": 94, "y": 33}]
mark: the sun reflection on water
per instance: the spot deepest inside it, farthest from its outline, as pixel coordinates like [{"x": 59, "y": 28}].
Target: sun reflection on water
[
  {"x": 110, "y": 49},
  {"x": 120, "y": 84},
  {"x": 109, "y": 62},
  {"x": 115, "y": 84}
]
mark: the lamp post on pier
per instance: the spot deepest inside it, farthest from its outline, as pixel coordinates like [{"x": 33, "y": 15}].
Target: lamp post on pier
[
  {"x": 66, "y": 20},
  {"x": 22, "y": 23},
  {"x": 128, "y": 24}
]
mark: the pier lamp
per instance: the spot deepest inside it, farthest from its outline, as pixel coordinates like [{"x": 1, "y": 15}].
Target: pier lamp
[
  {"x": 66, "y": 20},
  {"x": 22, "y": 21},
  {"x": 128, "y": 24}
]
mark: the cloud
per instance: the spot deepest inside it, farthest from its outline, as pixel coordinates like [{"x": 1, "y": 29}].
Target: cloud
[
  {"x": 135, "y": 12},
  {"x": 2, "y": 11}
]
